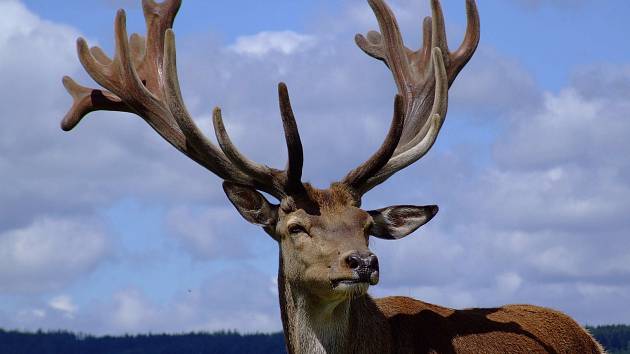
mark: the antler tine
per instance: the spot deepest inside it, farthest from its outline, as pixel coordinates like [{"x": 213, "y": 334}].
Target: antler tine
[
  {"x": 174, "y": 100},
  {"x": 422, "y": 143},
  {"x": 86, "y": 100},
  {"x": 357, "y": 177},
  {"x": 100, "y": 56},
  {"x": 256, "y": 170},
  {"x": 387, "y": 45},
  {"x": 438, "y": 28},
  {"x": 424, "y": 56},
  {"x": 294, "y": 143},
  {"x": 138, "y": 48},
  {"x": 159, "y": 18},
  {"x": 196, "y": 140},
  {"x": 462, "y": 55},
  {"x": 286, "y": 182},
  {"x": 129, "y": 82},
  {"x": 422, "y": 77}
]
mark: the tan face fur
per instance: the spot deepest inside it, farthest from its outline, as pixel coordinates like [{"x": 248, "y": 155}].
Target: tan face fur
[
  {"x": 324, "y": 236},
  {"x": 317, "y": 240}
]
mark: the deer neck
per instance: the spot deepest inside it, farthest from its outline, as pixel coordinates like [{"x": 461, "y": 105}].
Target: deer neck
[
  {"x": 311, "y": 326},
  {"x": 345, "y": 326}
]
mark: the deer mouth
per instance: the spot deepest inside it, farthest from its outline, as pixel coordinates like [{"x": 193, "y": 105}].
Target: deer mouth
[
  {"x": 361, "y": 279},
  {"x": 348, "y": 282},
  {"x": 350, "y": 287}
]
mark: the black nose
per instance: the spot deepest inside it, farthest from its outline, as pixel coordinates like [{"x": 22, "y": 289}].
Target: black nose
[{"x": 367, "y": 263}]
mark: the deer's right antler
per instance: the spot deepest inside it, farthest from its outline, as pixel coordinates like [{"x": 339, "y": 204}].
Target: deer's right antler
[{"x": 142, "y": 79}]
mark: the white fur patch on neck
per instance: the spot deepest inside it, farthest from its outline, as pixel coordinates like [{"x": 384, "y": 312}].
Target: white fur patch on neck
[{"x": 321, "y": 330}]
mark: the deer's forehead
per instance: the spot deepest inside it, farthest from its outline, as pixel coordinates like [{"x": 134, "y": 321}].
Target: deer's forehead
[
  {"x": 344, "y": 220},
  {"x": 336, "y": 197}
]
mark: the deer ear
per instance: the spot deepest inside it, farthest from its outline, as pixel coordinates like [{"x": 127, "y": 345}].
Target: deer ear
[
  {"x": 251, "y": 204},
  {"x": 396, "y": 222}
]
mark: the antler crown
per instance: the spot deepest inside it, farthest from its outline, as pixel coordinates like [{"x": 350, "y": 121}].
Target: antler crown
[{"x": 142, "y": 79}]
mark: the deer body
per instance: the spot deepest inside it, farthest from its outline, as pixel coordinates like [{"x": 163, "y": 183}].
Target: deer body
[
  {"x": 405, "y": 325},
  {"x": 420, "y": 327},
  {"x": 326, "y": 266}
]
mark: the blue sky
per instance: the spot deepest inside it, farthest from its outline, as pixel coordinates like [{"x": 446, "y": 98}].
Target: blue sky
[{"x": 107, "y": 229}]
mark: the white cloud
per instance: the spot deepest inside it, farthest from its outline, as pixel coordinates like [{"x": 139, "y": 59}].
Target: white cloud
[
  {"x": 131, "y": 311},
  {"x": 210, "y": 234},
  {"x": 564, "y": 4},
  {"x": 48, "y": 254},
  {"x": 569, "y": 128},
  {"x": 604, "y": 81},
  {"x": 61, "y": 303},
  {"x": 509, "y": 282},
  {"x": 27, "y": 43},
  {"x": 487, "y": 87},
  {"x": 264, "y": 43},
  {"x": 236, "y": 298}
]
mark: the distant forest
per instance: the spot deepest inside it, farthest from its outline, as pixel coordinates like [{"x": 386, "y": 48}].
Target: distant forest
[{"x": 616, "y": 339}]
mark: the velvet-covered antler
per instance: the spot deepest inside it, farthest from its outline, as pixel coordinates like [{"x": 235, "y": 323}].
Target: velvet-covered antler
[
  {"x": 142, "y": 79},
  {"x": 423, "y": 78}
]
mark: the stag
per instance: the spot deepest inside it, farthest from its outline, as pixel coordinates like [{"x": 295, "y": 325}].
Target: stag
[{"x": 325, "y": 265}]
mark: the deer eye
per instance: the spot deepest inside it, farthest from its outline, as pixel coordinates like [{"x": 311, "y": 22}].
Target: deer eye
[{"x": 296, "y": 229}]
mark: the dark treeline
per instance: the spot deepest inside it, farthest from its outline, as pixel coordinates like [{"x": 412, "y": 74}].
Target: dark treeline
[
  {"x": 615, "y": 338},
  {"x": 13, "y": 342}
]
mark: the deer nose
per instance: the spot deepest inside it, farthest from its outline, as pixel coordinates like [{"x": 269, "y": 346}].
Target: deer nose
[
  {"x": 364, "y": 265},
  {"x": 356, "y": 261}
]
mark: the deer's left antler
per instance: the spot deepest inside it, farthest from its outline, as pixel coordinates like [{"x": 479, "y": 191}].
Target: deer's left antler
[{"x": 423, "y": 78}]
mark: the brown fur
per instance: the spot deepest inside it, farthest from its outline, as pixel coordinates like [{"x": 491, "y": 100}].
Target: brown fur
[
  {"x": 404, "y": 325},
  {"x": 316, "y": 320},
  {"x": 419, "y": 327},
  {"x": 337, "y": 197}
]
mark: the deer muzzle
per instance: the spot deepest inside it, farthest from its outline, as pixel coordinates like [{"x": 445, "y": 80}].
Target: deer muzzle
[{"x": 364, "y": 267}]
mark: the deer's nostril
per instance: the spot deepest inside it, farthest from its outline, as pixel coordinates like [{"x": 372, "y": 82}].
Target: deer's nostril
[
  {"x": 372, "y": 262},
  {"x": 353, "y": 261}
]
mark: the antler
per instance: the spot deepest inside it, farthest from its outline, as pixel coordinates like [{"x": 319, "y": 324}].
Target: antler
[
  {"x": 423, "y": 78},
  {"x": 142, "y": 79}
]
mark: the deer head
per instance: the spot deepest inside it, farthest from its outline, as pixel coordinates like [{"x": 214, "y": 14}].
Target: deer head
[{"x": 323, "y": 234}]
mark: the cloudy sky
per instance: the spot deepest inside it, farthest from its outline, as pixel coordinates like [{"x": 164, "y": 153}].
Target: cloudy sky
[{"x": 107, "y": 229}]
